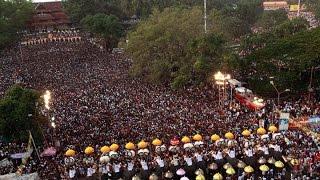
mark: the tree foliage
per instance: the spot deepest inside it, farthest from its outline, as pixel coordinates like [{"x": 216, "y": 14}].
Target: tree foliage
[
  {"x": 104, "y": 26},
  {"x": 171, "y": 47},
  {"x": 13, "y": 16},
  {"x": 271, "y": 19},
  {"x": 19, "y": 113}
]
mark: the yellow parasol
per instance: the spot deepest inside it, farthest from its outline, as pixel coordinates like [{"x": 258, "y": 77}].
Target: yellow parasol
[
  {"x": 215, "y": 137},
  {"x": 130, "y": 146},
  {"x": 197, "y": 137},
  {"x": 114, "y": 147},
  {"x": 230, "y": 171},
  {"x": 156, "y": 142},
  {"x": 200, "y": 177},
  {"x": 279, "y": 164},
  {"x": 261, "y": 131},
  {"x": 186, "y": 139},
  {"x": 89, "y": 150},
  {"x": 105, "y": 149},
  {"x": 70, "y": 152},
  {"x": 217, "y": 176},
  {"x": 246, "y": 133},
  {"x": 294, "y": 162},
  {"x": 264, "y": 168},
  {"x": 142, "y": 144},
  {"x": 273, "y": 129},
  {"x": 229, "y": 135},
  {"x": 248, "y": 169}
]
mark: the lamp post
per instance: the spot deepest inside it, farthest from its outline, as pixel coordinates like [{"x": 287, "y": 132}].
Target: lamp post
[
  {"x": 221, "y": 80},
  {"x": 278, "y": 92}
]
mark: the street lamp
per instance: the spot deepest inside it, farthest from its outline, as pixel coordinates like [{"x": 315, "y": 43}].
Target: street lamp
[
  {"x": 221, "y": 80},
  {"x": 278, "y": 92}
]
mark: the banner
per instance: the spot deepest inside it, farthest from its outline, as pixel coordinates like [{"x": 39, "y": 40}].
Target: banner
[
  {"x": 294, "y": 8},
  {"x": 284, "y": 121}
]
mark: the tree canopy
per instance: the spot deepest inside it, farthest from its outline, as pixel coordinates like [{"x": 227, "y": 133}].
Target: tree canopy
[
  {"x": 107, "y": 27},
  {"x": 13, "y": 16},
  {"x": 19, "y": 114}
]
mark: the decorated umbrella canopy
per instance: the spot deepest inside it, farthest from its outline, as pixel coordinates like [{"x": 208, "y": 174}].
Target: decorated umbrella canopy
[
  {"x": 180, "y": 172},
  {"x": 279, "y": 164},
  {"x": 135, "y": 177},
  {"x": 215, "y": 137},
  {"x": 114, "y": 147},
  {"x": 70, "y": 152},
  {"x": 142, "y": 144},
  {"x": 271, "y": 160},
  {"x": 273, "y": 129},
  {"x": 217, "y": 176},
  {"x": 264, "y": 168},
  {"x": 230, "y": 171},
  {"x": 246, "y": 133},
  {"x": 89, "y": 150},
  {"x": 199, "y": 171},
  {"x": 227, "y": 166},
  {"x": 248, "y": 169},
  {"x": 156, "y": 142},
  {"x": 184, "y": 178},
  {"x": 261, "y": 131},
  {"x": 130, "y": 146},
  {"x": 104, "y": 159},
  {"x": 175, "y": 141},
  {"x": 241, "y": 164},
  {"x": 168, "y": 175},
  {"x": 229, "y": 135},
  {"x": 200, "y": 177},
  {"x": 105, "y": 149},
  {"x": 186, "y": 139},
  {"x": 153, "y": 176},
  {"x": 197, "y": 137}
]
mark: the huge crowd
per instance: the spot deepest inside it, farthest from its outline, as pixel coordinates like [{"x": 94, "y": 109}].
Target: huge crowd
[{"x": 95, "y": 102}]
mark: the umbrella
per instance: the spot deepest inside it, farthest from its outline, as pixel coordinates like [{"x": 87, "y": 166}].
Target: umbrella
[
  {"x": 135, "y": 177},
  {"x": 248, "y": 169},
  {"x": 229, "y": 135},
  {"x": 217, "y": 176},
  {"x": 70, "y": 152},
  {"x": 199, "y": 172},
  {"x": 181, "y": 172},
  {"x": 114, "y": 147},
  {"x": 230, "y": 171},
  {"x": 273, "y": 129},
  {"x": 200, "y": 177},
  {"x": 186, "y": 139},
  {"x": 130, "y": 146},
  {"x": 227, "y": 165},
  {"x": 246, "y": 133},
  {"x": 153, "y": 176},
  {"x": 104, "y": 159},
  {"x": 271, "y": 160},
  {"x": 156, "y": 142},
  {"x": 261, "y": 131},
  {"x": 105, "y": 149},
  {"x": 142, "y": 144},
  {"x": 184, "y": 178},
  {"x": 241, "y": 164},
  {"x": 215, "y": 137},
  {"x": 197, "y": 137},
  {"x": 89, "y": 150},
  {"x": 279, "y": 164},
  {"x": 264, "y": 168},
  {"x": 168, "y": 175}
]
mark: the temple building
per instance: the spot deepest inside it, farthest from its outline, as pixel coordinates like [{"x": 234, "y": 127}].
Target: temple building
[{"x": 49, "y": 16}]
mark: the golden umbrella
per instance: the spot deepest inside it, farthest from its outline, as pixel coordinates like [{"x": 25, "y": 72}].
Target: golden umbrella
[
  {"x": 70, "y": 152},
  {"x": 261, "y": 131},
  {"x": 142, "y": 144},
  {"x": 241, "y": 164},
  {"x": 262, "y": 160},
  {"x": 271, "y": 160},
  {"x": 279, "y": 164},
  {"x": 294, "y": 162},
  {"x": 197, "y": 137},
  {"x": 229, "y": 135},
  {"x": 156, "y": 142},
  {"x": 246, "y": 133},
  {"x": 248, "y": 169},
  {"x": 114, "y": 147},
  {"x": 105, "y": 149},
  {"x": 215, "y": 137},
  {"x": 273, "y": 129},
  {"x": 264, "y": 168},
  {"x": 153, "y": 177},
  {"x": 89, "y": 150},
  {"x": 186, "y": 139},
  {"x": 199, "y": 171},
  {"x": 130, "y": 146},
  {"x": 230, "y": 171},
  {"x": 227, "y": 166},
  {"x": 200, "y": 177},
  {"x": 217, "y": 176},
  {"x": 135, "y": 177}
]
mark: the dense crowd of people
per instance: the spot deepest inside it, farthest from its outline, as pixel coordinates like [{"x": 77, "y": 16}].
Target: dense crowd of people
[{"x": 95, "y": 102}]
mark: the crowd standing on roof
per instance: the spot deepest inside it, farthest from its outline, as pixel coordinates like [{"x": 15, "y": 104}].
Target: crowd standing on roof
[{"x": 96, "y": 103}]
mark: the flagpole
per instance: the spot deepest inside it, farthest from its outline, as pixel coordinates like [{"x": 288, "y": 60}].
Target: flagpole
[{"x": 34, "y": 145}]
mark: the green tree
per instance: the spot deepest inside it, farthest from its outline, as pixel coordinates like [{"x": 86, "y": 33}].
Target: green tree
[
  {"x": 13, "y": 17},
  {"x": 104, "y": 26},
  {"x": 271, "y": 19},
  {"x": 19, "y": 114}
]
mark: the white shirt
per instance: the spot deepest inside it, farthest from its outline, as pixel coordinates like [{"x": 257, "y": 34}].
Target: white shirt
[
  {"x": 232, "y": 154},
  {"x": 89, "y": 172},
  {"x": 144, "y": 165},
  {"x": 249, "y": 153},
  {"x": 188, "y": 161},
  {"x": 130, "y": 166},
  {"x": 72, "y": 173},
  {"x": 116, "y": 168},
  {"x": 218, "y": 155},
  {"x": 199, "y": 157},
  {"x": 160, "y": 162}
]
